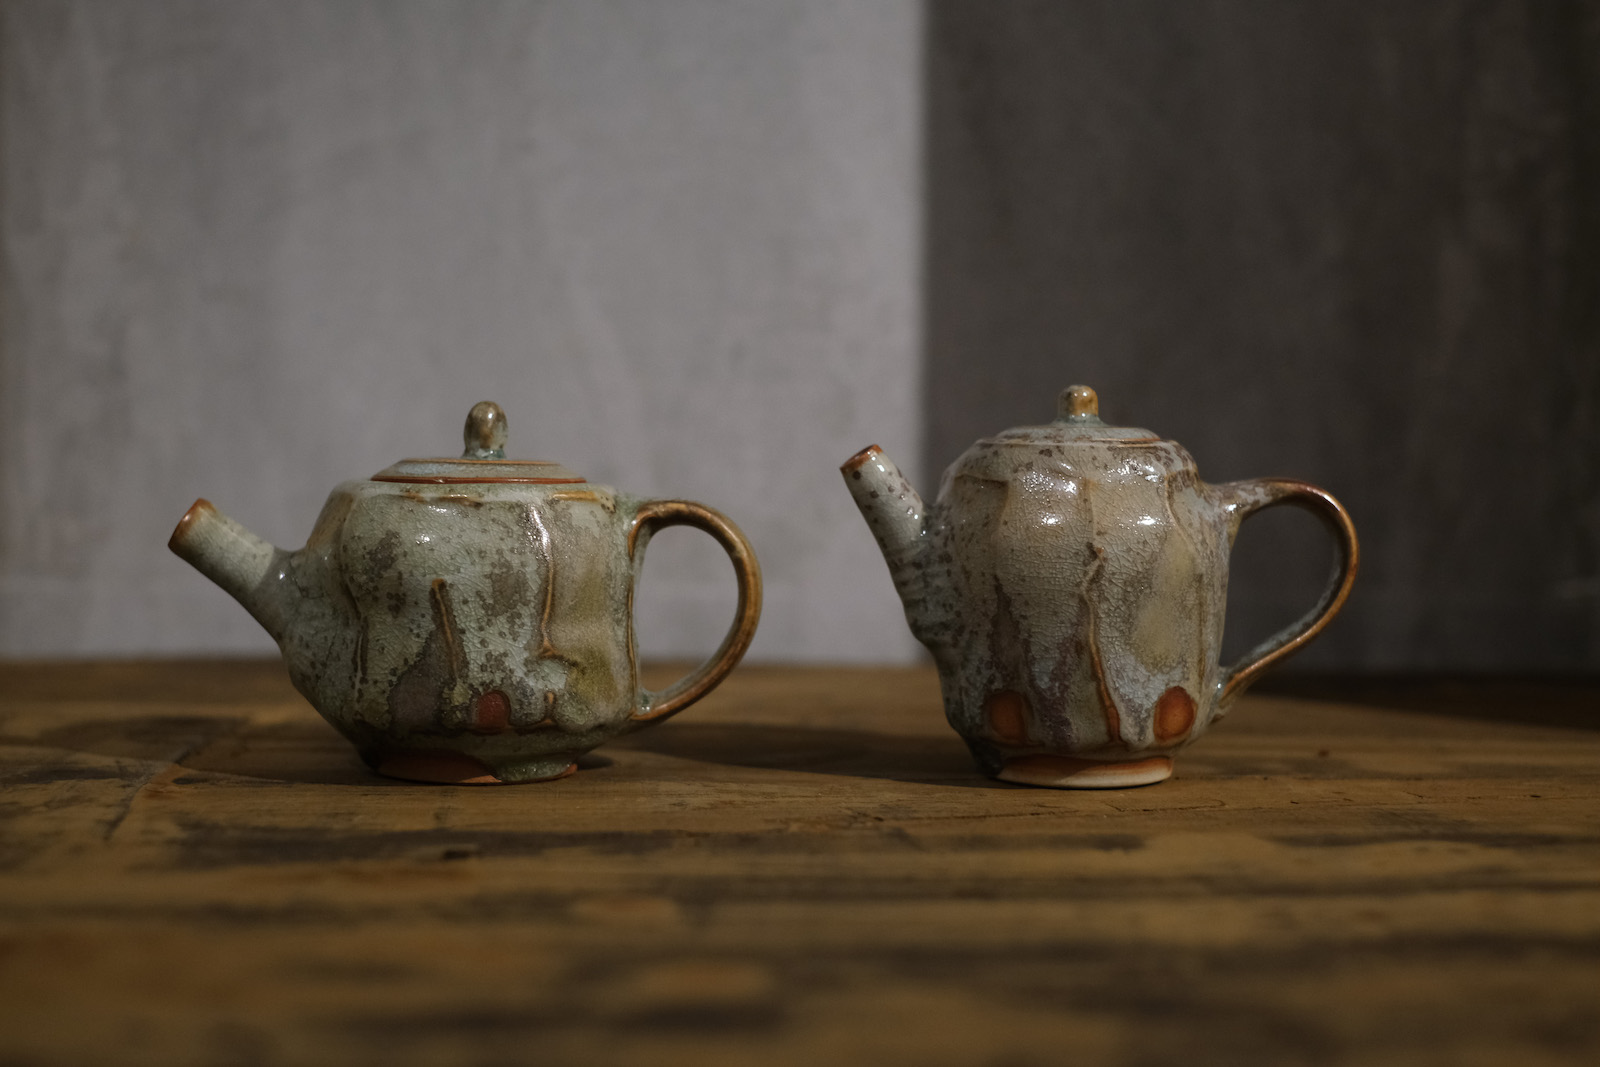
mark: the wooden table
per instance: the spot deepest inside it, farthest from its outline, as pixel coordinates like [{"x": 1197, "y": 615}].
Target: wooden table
[{"x": 803, "y": 869}]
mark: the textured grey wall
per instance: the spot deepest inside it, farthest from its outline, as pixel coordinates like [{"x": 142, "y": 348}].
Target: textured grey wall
[
  {"x": 252, "y": 249},
  {"x": 1357, "y": 243},
  {"x": 248, "y": 250}
]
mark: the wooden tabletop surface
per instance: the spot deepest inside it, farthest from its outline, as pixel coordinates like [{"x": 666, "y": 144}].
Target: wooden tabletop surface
[{"x": 802, "y": 869}]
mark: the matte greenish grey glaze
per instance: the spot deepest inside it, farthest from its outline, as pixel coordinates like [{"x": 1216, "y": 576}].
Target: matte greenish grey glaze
[
  {"x": 1070, "y": 581},
  {"x": 469, "y": 620}
]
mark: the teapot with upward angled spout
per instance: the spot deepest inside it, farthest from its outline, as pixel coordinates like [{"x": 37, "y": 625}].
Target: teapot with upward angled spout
[
  {"x": 1070, "y": 582},
  {"x": 470, "y": 619}
]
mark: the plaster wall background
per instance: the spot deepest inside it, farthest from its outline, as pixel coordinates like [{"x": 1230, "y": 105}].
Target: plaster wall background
[
  {"x": 249, "y": 250},
  {"x": 708, "y": 249},
  {"x": 1356, "y": 243}
]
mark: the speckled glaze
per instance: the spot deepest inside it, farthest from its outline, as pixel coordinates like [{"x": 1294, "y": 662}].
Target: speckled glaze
[
  {"x": 470, "y": 620},
  {"x": 1070, "y": 581}
]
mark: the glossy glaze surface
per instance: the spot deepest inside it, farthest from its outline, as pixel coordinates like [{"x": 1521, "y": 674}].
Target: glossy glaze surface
[
  {"x": 1071, "y": 582},
  {"x": 469, "y": 630}
]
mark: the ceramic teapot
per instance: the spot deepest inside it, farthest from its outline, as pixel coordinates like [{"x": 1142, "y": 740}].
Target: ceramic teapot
[
  {"x": 471, "y": 619},
  {"x": 1070, "y": 581}
]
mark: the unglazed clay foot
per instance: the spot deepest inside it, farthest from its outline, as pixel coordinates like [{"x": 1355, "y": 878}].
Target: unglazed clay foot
[
  {"x": 454, "y": 768},
  {"x": 1064, "y": 772}
]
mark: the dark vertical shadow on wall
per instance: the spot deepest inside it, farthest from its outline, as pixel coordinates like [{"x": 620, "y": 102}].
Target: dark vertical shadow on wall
[{"x": 1355, "y": 243}]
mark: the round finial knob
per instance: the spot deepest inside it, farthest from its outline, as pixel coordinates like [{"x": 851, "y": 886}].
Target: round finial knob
[
  {"x": 1078, "y": 402},
  {"x": 485, "y": 432}
]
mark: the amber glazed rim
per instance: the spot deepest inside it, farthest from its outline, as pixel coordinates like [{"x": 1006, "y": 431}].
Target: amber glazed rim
[
  {"x": 444, "y": 480},
  {"x": 1063, "y": 442},
  {"x": 396, "y": 472}
]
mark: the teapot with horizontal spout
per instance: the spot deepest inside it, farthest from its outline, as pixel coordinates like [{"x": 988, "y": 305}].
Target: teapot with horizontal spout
[
  {"x": 470, "y": 619},
  {"x": 1070, "y": 581}
]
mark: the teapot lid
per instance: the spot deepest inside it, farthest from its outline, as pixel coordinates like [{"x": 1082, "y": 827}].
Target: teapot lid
[
  {"x": 483, "y": 461},
  {"x": 1078, "y": 421}
]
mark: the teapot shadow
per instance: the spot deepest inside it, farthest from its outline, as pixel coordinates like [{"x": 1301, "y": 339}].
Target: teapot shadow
[
  {"x": 1571, "y": 703},
  {"x": 305, "y": 751},
  {"x": 816, "y": 750}
]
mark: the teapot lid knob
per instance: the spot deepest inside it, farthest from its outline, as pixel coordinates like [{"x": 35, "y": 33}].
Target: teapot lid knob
[
  {"x": 485, "y": 432},
  {"x": 1078, "y": 402}
]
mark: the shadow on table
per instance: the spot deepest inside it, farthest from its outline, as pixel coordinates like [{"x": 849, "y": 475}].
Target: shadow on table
[
  {"x": 148, "y": 681},
  {"x": 1573, "y": 703},
  {"x": 303, "y": 751},
  {"x": 817, "y": 750},
  {"x": 309, "y": 751},
  {"x": 195, "y": 746}
]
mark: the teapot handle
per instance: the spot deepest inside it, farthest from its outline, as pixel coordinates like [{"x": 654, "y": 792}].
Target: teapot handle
[
  {"x": 1244, "y": 499},
  {"x": 656, "y": 515}
]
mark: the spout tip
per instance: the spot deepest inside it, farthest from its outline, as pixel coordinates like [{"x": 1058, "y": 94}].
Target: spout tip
[
  {"x": 199, "y": 510},
  {"x": 854, "y": 464}
]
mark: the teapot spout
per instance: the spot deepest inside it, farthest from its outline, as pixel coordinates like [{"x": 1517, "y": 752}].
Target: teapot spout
[
  {"x": 249, "y": 569},
  {"x": 895, "y": 513}
]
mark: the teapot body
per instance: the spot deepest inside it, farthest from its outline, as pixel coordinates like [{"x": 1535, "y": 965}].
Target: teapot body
[
  {"x": 1084, "y": 595},
  {"x": 471, "y": 619},
  {"x": 1071, "y": 581},
  {"x": 447, "y": 624}
]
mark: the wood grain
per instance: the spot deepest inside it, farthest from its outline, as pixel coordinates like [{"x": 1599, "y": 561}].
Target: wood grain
[{"x": 804, "y": 868}]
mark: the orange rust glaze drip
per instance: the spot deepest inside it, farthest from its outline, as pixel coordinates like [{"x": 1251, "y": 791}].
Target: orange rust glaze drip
[
  {"x": 491, "y": 713},
  {"x": 1007, "y": 711},
  {"x": 1174, "y": 714}
]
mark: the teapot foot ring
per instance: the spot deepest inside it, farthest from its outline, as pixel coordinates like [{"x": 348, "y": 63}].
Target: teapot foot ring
[
  {"x": 456, "y": 768},
  {"x": 1066, "y": 772}
]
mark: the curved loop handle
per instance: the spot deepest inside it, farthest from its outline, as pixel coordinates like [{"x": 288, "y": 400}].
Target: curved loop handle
[
  {"x": 656, "y": 515},
  {"x": 1244, "y": 499}
]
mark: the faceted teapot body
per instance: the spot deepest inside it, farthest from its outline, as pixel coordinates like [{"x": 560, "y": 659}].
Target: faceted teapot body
[
  {"x": 1071, "y": 584},
  {"x": 469, "y": 620},
  {"x": 1088, "y": 588}
]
